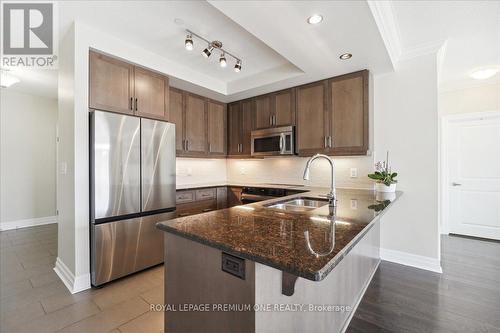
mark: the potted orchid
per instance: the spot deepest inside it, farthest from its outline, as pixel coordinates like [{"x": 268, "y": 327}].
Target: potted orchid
[{"x": 384, "y": 177}]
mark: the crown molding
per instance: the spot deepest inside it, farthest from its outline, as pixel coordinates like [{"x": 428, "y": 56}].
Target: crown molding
[
  {"x": 383, "y": 13},
  {"x": 422, "y": 49}
]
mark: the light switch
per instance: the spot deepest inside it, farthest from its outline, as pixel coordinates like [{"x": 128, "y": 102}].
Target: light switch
[
  {"x": 354, "y": 204},
  {"x": 354, "y": 173}
]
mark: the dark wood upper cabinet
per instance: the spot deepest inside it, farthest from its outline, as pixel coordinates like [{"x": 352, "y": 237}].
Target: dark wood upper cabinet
[
  {"x": 247, "y": 112},
  {"x": 348, "y": 104},
  {"x": 284, "y": 108},
  {"x": 118, "y": 86},
  {"x": 217, "y": 118},
  {"x": 176, "y": 116},
  {"x": 151, "y": 94},
  {"x": 111, "y": 84},
  {"x": 240, "y": 125},
  {"x": 312, "y": 121},
  {"x": 233, "y": 128},
  {"x": 196, "y": 125},
  {"x": 263, "y": 112}
]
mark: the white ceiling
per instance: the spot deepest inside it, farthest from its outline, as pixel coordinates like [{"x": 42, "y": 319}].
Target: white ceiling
[
  {"x": 279, "y": 49},
  {"x": 471, "y": 30}
]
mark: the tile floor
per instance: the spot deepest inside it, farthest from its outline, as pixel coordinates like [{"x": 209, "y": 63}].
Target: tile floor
[{"x": 33, "y": 299}]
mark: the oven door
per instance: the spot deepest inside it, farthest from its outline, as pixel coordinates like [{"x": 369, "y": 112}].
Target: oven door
[{"x": 273, "y": 141}]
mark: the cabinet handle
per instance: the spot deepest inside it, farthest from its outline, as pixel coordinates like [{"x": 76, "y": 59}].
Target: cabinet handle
[
  {"x": 187, "y": 145},
  {"x": 209, "y": 147},
  {"x": 325, "y": 142},
  {"x": 270, "y": 120},
  {"x": 274, "y": 120},
  {"x": 131, "y": 104},
  {"x": 136, "y": 104},
  {"x": 330, "y": 143}
]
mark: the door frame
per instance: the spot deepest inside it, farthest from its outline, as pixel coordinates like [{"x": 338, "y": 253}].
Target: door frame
[{"x": 444, "y": 195}]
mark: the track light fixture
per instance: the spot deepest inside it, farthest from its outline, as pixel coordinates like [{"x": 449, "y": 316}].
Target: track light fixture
[
  {"x": 222, "y": 60},
  {"x": 212, "y": 45},
  {"x": 188, "y": 43},
  {"x": 237, "y": 67}
]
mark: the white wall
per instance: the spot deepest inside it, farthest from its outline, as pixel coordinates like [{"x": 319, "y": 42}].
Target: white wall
[
  {"x": 406, "y": 124},
  {"x": 28, "y": 159},
  {"x": 290, "y": 170},
  {"x": 475, "y": 99}
]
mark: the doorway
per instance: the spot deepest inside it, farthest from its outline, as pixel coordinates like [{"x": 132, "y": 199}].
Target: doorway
[{"x": 471, "y": 174}]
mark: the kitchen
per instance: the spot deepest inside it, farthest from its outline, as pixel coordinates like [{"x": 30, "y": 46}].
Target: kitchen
[{"x": 230, "y": 147}]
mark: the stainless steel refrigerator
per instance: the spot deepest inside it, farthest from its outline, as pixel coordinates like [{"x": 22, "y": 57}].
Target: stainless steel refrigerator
[{"x": 132, "y": 187}]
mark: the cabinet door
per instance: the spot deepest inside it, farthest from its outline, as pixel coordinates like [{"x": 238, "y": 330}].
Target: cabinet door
[
  {"x": 216, "y": 128},
  {"x": 311, "y": 119},
  {"x": 151, "y": 94},
  {"x": 263, "y": 114},
  {"x": 111, "y": 84},
  {"x": 221, "y": 197},
  {"x": 247, "y": 108},
  {"x": 234, "y": 196},
  {"x": 176, "y": 116},
  {"x": 284, "y": 108},
  {"x": 349, "y": 114},
  {"x": 196, "y": 125},
  {"x": 233, "y": 128}
]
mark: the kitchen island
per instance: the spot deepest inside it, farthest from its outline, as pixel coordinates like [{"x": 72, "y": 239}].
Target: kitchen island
[{"x": 270, "y": 267}]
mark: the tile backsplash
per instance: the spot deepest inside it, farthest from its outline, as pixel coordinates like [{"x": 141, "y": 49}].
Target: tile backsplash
[{"x": 350, "y": 171}]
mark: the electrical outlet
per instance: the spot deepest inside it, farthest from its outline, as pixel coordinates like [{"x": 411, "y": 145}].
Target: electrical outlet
[
  {"x": 242, "y": 171},
  {"x": 190, "y": 171},
  {"x": 354, "y": 204},
  {"x": 354, "y": 173}
]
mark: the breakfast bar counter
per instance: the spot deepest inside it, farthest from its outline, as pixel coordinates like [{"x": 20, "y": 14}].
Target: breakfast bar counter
[{"x": 290, "y": 250}]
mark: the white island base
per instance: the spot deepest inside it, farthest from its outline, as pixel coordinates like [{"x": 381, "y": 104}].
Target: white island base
[{"x": 194, "y": 278}]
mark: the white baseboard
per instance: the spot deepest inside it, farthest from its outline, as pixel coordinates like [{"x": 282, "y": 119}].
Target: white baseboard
[
  {"x": 27, "y": 223},
  {"x": 73, "y": 284},
  {"x": 413, "y": 260}
]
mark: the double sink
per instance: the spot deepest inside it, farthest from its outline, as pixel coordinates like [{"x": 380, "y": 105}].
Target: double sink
[{"x": 299, "y": 204}]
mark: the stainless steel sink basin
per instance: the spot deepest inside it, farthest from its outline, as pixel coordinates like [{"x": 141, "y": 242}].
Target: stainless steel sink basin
[{"x": 298, "y": 204}]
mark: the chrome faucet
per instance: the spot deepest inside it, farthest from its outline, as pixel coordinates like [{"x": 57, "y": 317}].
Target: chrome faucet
[{"x": 332, "y": 195}]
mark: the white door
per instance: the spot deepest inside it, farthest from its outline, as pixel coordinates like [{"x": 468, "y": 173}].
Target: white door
[{"x": 473, "y": 165}]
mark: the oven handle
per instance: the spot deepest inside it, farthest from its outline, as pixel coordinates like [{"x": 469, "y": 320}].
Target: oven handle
[
  {"x": 255, "y": 197},
  {"x": 282, "y": 143}
]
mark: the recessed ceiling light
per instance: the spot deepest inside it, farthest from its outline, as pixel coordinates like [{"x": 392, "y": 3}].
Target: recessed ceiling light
[
  {"x": 315, "y": 19},
  {"x": 483, "y": 73},
  {"x": 345, "y": 56}
]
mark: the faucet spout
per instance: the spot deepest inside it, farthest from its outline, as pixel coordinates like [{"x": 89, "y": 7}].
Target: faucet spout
[{"x": 332, "y": 197}]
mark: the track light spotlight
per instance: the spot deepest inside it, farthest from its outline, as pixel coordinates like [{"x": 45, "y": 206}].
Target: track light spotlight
[
  {"x": 208, "y": 51},
  {"x": 189, "y": 42},
  {"x": 237, "y": 67},
  {"x": 222, "y": 60}
]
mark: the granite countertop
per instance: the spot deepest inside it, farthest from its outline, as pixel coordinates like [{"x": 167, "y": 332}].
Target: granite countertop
[
  {"x": 278, "y": 238},
  {"x": 233, "y": 184}
]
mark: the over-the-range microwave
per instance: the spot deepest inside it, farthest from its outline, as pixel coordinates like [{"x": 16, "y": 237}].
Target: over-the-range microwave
[{"x": 273, "y": 141}]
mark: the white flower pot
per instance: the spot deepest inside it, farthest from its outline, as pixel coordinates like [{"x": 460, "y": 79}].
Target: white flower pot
[
  {"x": 380, "y": 187},
  {"x": 383, "y": 196}
]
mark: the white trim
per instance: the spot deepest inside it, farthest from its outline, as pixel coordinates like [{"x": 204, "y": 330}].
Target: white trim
[
  {"x": 73, "y": 284},
  {"x": 413, "y": 260},
  {"x": 9, "y": 225},
  {"x": 443, "y": 192},
  {"x": 383, "y": 13},
  {"x": 422, "y": 49}
]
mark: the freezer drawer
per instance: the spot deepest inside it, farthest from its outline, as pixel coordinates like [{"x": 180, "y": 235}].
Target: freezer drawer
[{"x": 127, "y": 246}]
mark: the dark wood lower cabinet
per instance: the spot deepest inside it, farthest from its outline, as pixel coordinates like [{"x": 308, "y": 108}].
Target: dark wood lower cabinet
[{"x": 197, "y": 201}]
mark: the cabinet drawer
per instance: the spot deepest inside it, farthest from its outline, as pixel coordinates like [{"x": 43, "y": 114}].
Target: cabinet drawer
[
  {"x": 205, "y": 194},
  {"x": 184, "y": 196},
  {"x": 196, "y": 207}
]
